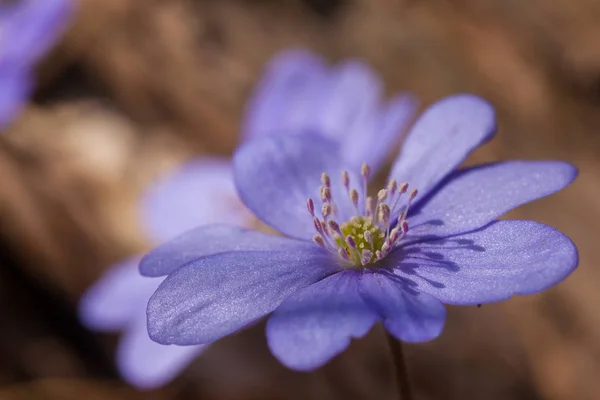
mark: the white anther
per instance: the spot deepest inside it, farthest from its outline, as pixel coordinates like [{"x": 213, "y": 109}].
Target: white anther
[
  {"x": 368, "y": 237},
  {"x": 403, "y": 188},
  {"x": 325, "y": 180},
  {"x": 392, "y": 186},
  {"x": 354, "y": 197},
  {"x": 325, "y": 193},
  {"x": 370, "y": 207},
  {"x": 365, "y": 171},
  {"x": 326, "y": 210},
  {"x": 345, "y": 179},
  {"x": 384, "y": 213}
]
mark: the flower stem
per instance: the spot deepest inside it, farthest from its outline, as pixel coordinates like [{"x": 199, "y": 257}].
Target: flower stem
[{"x": 401, "y": 375}]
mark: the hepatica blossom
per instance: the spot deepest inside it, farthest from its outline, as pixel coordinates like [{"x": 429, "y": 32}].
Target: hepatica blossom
[
  {"x": 299, "y": 93},
  {"x": 346, "y": 259},
  {"x": 28, "y": 29}
]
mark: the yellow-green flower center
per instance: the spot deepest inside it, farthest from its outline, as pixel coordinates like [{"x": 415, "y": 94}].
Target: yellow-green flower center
[
  {"x": 356, "y": 228},
  {"x": 374, "y": 230}
]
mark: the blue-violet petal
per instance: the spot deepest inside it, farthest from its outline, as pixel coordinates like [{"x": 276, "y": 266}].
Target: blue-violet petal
[
  {"x": 217, "y": 295},
  {"x": 208, "y": 240},
  {"x": 491, "y": 264},
  {"x": 146, "y": 364},
  {"x": 473, "y": 197},
  {"x": 317, "y": 323},
  {"x": 275, "y": 175},
  {"x": 441, "y": 139}
]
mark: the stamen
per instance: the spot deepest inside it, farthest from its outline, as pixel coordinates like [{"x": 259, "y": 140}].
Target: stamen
[
  {"x": 403, "y": 188},
  {"x": 403, "y": 230},
  {"x": 404, "y": 226},
  {"x": 370, "y": 207},
  {"x": 369, "y": 235},
  {"x": 384, "y": 214},
  {"x": 350, "y": 242},
  {"x": 323, "y": 226},
  {"x": 413, "y": 194},
  {"x": 344, "y": 254},
  {"x": 318, "y": 239},
  {"x": 354, "y": 197},
  {"x": 394, "y": 235},
  {"x": 346, "y": 179},
  {"x": 366, "y": 257},
  {"x": 365, "y": 171},
  {"x": 411, "y": 197},
  {"x": 317, "y": 224},
  {"x": 386, "y": 248},
  {"x": 325, "y": 193},
  {"x": 392, "y": 186},
  {"x": 325, "y": 180},
  {"x": 310, "y": 206},
  {"x": 334, "y": 227},
  {"x": 326, "y": 210}
]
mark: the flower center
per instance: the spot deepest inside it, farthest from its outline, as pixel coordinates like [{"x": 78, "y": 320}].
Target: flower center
[{"x": 370, "y": 234}]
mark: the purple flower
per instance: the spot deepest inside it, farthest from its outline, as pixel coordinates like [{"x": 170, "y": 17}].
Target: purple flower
[
  {"x": 203, "y": 192},
  {"x": 28, "y": 29},
  {"x": 349, "y": 261},
  {"x": 299, "y": 93}
]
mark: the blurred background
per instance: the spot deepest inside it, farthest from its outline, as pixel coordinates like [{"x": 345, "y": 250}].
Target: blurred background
[{"x": 136, "y": 87}]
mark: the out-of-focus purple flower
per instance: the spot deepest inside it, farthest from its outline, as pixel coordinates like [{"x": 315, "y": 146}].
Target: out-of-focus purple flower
[
  {"x": 299, "y": 93},
  {"x": 116, "y": 303},
  {"x": 16, "y": 88},
  {"x": 203, "y": 192},
  {"x": 349, "y": 261},
  {"x": 200, "y": 192},
  {"x": 28, "y": 29}
]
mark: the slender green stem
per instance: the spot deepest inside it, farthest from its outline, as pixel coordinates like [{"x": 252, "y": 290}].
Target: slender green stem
[{"x": 401, "y": 372}]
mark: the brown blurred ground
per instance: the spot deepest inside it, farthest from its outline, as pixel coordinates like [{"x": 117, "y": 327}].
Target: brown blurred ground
[{"x": 139, "y": 85}]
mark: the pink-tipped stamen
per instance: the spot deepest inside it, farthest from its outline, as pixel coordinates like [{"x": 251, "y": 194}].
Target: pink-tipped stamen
[
  {"x": 310, "y": 206},
  {"x": 369, "y": 235}
]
